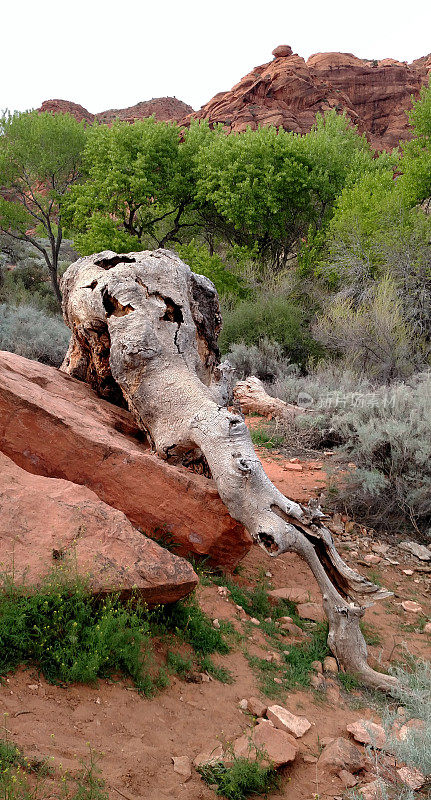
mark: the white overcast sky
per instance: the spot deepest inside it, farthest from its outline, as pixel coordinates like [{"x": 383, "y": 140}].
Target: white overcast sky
[{"x": 105, "y": 54}]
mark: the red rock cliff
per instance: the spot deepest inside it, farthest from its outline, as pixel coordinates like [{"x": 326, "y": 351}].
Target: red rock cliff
[
  {"x": 163, "y": 108},
  {"x": 289, "y": 92}
]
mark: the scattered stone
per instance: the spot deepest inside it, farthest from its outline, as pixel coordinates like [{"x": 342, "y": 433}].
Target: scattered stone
[
  {"x": 243, "y": 705},
  {"x": 412, "y": 725},
  {"x": 286, "y": 721},
  {"x": 330, "y": 665},
  {"x": 293, "y": 593},
  {"x": 317, "y": 666},
  {"x": 279, "y": 681},
  {"x": 256, "y": 707},
  {"x": 216, "y": 624},
  {"x": 341, "y": 754},
  {"x": 367, "y": 732},
  {"x": 268, "y": 574},
  {"x": 212, "y": 755},
  {"x": 223, "y": 591},
  {"x": 182, "y": 766},
  {"x": 317, "y": 682},
  {"x": 290, "y": 627},
  {"x": 408, "y": 572},
  {"x": 293, "y": 467},
  {"x": 325, "y": 740},
  {"x": 279, "y": 747},
  {"x": 309, "y": 759},
  {"x": 347, "y": 779},
  {"x": 376, "y": 790},
  {"x": 254, "y": 621},
  {"x": 411, "y": 777},
  {"x": 427, "y": 627},
  {"x": 418, "y": 550},
  {"x": 411, "y": 606},
  {"x": 312, "y": 611},
  {"x": 380, "y": 548},
  {"x": 333, "y": 693},
  {"x": 372, "y": 558}
]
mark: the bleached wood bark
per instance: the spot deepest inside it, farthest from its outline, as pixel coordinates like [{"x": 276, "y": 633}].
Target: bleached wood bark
[
  {"x": 145, "y": 327},
  {"x": 253, "y": 399}
]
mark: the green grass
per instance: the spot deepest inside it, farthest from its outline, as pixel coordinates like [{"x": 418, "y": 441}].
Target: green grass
[
  {"x": 190, "y": 624},
  {"x": 241, "y": 777},
  {"x": 348, "y": 681},
  {"x": 255, "y": 601},
  {"x": 295, "y": 669},
  {"x": 262, "y": 437},
  {"x": 370, "y": 634}
]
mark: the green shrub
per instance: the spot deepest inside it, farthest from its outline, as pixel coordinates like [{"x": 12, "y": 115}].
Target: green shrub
[
  {"x": 374, "y": 337},
  {"x": 241, "y": 776},
  {"x": 28, "y": 332},
  {"x": 384, "y": 430},
  {"x": 265, "y": 360},
  {"x": 72, "y": 636},
  {"x": 275, "y": 318},
  {"x": 187, "y": 620}
]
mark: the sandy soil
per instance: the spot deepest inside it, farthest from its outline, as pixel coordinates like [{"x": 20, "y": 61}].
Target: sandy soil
[{"x": 137, "y": 738}]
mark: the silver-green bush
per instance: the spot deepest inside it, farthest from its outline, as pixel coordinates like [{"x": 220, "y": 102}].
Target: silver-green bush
[{"x": 31, "y": 333}]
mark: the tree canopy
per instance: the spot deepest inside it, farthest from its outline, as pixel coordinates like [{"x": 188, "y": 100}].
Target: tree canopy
[{"x": 40, "y": 159}]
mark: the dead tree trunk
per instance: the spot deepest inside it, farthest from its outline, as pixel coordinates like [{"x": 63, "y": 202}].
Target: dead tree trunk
[{"x": 145, "y": 324}]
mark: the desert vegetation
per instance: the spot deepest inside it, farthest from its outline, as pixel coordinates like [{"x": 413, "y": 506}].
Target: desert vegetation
[{"x": 320, "y": 251}]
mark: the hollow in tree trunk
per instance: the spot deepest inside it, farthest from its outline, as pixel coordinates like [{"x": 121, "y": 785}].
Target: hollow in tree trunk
[{"x": 145, "y": 328}]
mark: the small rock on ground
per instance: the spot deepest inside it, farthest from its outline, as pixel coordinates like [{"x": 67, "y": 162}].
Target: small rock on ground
[
  {"x": 341, "y": 754},
  {"x": 286, "y": 721},
  {"x": 367, "y": 732},
  {"x": 279, "y": 747},
  {"x": 182, "y": 766}
]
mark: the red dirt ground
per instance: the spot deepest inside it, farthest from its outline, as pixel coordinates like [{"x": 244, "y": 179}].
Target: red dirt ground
[{"x": 137, "y": 737}]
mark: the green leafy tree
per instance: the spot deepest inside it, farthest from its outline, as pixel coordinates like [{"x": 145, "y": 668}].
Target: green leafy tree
[
  {"x": 140, "y": 186},
  {"x": 416, "y": 163},
  {"x": 40, "y": 159}
]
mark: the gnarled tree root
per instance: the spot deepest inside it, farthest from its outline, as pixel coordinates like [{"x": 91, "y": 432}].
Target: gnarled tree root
[{"x": 145, "y": 327}]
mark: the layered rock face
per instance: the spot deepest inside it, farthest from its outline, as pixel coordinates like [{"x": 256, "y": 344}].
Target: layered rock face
[
  {"x": 288, "y": 92},
  {"x": 163, "y": 108},
  {"x": 46, "y": 522},
  {"x": 54, "y": 425}
]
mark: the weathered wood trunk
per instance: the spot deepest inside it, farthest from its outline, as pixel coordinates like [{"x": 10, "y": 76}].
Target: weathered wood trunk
[{"x": 145, "y": 328}]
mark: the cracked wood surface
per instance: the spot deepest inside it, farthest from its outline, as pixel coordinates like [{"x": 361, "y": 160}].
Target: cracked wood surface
[{"x": 145, "y": 328}]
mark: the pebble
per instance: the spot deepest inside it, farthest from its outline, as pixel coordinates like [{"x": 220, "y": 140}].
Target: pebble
[{"x": 411, "y": 606}]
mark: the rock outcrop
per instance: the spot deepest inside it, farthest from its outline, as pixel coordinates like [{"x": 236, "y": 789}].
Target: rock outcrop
[
  {"x": 48, "y": 522},
  {"x": 163, "y": 108},
  {"x": 289, "y": 91},
  {"x": 54, "y": 425}
]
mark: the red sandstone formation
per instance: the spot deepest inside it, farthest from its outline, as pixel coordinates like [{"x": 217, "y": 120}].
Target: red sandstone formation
[
  {"x": 163, "y": 108},
  {"x": 289, "y": 92},
  {"x": 46, "y": 522},
  {"x": 54, "y": 425}
]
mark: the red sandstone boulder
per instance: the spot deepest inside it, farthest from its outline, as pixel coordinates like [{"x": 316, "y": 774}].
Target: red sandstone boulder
[
  {"x": 46, "y": 522},
  {"x": 54, "y": 425},
  {"x": 282, "y": 51}
]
